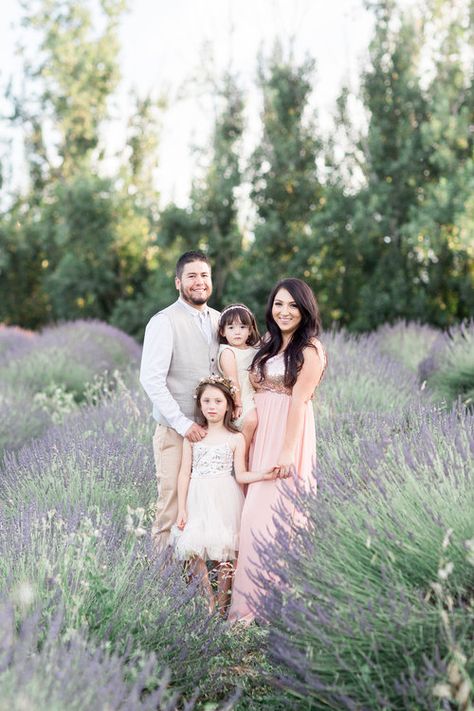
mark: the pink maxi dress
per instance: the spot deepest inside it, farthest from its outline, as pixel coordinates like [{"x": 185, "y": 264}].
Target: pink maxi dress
[{"x": 272, "y": 400}]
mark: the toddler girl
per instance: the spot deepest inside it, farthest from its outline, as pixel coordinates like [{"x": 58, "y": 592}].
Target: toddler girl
[
  {"x": 238, "y": 337},
  {"x": 209, "y": 498}
]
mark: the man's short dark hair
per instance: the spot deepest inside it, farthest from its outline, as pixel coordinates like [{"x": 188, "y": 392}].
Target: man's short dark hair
[{"x": 187, "y": 257}]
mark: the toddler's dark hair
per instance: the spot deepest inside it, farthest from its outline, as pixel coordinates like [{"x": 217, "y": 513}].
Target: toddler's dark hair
[{"x": 238, "y": 312}]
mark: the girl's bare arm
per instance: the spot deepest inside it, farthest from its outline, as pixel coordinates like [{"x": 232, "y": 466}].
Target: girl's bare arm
[
  {"x": 228, "y": 366},
  {"x": 241, "y": 474}
]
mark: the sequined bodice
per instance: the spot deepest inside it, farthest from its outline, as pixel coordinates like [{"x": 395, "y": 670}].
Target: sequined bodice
[
  {"x": 274, "y": 376},
  {"x": 212, "y": 460}
]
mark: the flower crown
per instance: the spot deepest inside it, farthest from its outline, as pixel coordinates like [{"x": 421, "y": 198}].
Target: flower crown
[{"x": 217, "y": 380}]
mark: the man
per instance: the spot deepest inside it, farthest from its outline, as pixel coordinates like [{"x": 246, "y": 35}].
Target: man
[{"x": 179, "y": 349}]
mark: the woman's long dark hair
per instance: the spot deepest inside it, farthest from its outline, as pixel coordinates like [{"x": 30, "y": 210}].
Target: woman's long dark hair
[{"x": 308, "y": 328}]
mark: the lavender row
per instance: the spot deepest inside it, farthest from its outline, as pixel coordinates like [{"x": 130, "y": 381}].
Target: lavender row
[
  {"x": 44, "y": 376},
  {"x": 369, "y": 604}
]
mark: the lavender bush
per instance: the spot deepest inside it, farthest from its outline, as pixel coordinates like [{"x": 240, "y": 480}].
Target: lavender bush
[
  {"x": 70, "y": 356},
  {"x": 408, "y": 343},
  {"x": 45, "y": 375},
  {"x": 368, "y": 609},
  {"x": 13, "y": 340},
  {"x": 110, "y": 590},
  {"x": 361, "y": 380},
  {"x": 449, "y": 367},
  {"x": 21, "y": 418},
  {"x": 356, "y": 610},
  {"x": 100, "y": 457},
  {"x": 39, "y": 670},
  {"x": 74, "y": 525}
]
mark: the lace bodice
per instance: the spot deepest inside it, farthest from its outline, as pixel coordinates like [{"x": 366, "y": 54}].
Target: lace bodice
[{"x": 212, "y": 460}]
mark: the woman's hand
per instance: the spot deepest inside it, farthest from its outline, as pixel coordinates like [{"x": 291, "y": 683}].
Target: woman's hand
[
  {"x": 237, "y": 411},
  {"x": 283, "y": 471},
  {"x": 286, "y": 464}
]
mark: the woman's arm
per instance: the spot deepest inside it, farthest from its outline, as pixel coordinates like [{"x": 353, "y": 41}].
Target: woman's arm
[
  {"x": 307, "y": 380},
  {"x": 228, "y": 366},
  {"x": 183, "y": 483},
  {"x": 243, "y": 476}
]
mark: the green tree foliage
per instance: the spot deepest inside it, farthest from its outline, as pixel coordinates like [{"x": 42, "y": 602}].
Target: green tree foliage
[
  {"x": 399, "y": 247},
  {"x": 211, "y": 220},
  {"x": 22, "y": 262},
  {"x": 73, "y": 76},
  {"x": 379, "y": 219},
  {"x": 76, "y": 244},
  {"x": 440, "y": 231},
  {"x": 98, "y": 241},
  {"x": 285, "y": 190}
]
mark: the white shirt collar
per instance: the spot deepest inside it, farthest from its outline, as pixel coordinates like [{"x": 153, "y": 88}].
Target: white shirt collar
[{"x": 195, "y": 312}]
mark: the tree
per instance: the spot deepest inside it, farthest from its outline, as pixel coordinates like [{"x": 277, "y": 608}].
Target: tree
[
  {"x": 70, "y": 80},
  {"x": 76, "y": 242},
  {"x": 400, "y": 260},
  {"x": 285, "y": 190},
  {"x": 211, "y": 220}
]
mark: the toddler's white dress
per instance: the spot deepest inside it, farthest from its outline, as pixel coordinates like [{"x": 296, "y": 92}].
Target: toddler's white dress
[
  {"x": 243, "y": 360},
  {"x": 214, "y": 506}
]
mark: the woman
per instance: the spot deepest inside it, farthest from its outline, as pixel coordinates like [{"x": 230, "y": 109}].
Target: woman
[{"x": 284, "y": 373}]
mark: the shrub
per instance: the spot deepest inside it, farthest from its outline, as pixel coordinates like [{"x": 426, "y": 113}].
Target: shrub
[
  {"x": 13, "y": 340},
  {"x": 449, "y": 368},
  {"x": 361, "y": 379},
  {"x": 355, "y": 605},
  {"x": 408, "y": 343},
  {"x": 45, "y": 376},
  {"x": 39, "y": 670},
  {"x": 21, "y": 419},
  {"x": 69, "y": 356}
]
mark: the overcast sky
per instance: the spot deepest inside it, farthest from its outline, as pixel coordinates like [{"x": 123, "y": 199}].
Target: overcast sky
[{"x": 162, "y": 48}]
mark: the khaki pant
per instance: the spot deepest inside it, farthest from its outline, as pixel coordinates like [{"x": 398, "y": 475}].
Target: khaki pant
[{"x": 167, "y": 449}]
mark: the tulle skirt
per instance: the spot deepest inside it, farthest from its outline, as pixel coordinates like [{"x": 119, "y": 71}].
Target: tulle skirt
[{"x": 212, "y": 530}]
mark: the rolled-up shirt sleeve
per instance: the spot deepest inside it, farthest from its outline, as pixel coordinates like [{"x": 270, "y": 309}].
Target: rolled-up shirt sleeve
[{"x": 156, "y": 360}]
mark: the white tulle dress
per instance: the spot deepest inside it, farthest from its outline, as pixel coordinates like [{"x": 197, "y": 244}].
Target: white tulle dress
[{"x": 214, "y": 506}]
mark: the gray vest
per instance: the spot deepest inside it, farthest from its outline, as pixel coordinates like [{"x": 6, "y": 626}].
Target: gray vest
[{"x": 192, "y": 359}]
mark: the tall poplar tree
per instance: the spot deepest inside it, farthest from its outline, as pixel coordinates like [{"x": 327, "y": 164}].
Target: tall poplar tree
[
  {"x": 285, "y": 190},
  {"x": 211, "y": 220}
]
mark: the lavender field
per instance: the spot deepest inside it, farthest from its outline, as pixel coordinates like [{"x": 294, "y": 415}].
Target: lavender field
[{"x": 372, "y": 605}]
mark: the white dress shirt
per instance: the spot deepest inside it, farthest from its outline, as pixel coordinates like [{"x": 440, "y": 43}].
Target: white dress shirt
[{"x": 156, "y": 359}]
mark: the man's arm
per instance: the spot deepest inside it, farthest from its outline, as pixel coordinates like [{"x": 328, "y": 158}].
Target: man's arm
[{"x": 156, "y": 360}]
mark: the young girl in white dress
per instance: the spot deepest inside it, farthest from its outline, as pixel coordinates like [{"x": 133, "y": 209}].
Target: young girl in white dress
[
  {"x": 209, "y": 498},
  {"x": 238, "y": 337}
]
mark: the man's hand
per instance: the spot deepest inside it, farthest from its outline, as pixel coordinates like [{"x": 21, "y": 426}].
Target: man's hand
[{"x": 195, "y": 433}]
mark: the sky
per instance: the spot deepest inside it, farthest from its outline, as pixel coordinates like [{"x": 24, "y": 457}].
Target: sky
[{"x": 162, "y": 52}]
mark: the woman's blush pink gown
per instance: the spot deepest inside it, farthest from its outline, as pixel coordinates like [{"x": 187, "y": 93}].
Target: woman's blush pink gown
[{"x": 272, "y": 400}]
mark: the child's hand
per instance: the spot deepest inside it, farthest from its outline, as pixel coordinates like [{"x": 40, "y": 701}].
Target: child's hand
[
  {"x": 181, "y": 519},
  {"x": 270, "y": 474},
  {"x": 281, "y": 472},
  {"x": 237, "y": 411}
]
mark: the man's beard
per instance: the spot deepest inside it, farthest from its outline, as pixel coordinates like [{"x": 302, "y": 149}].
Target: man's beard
[{"x": 196, "y": 300}]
